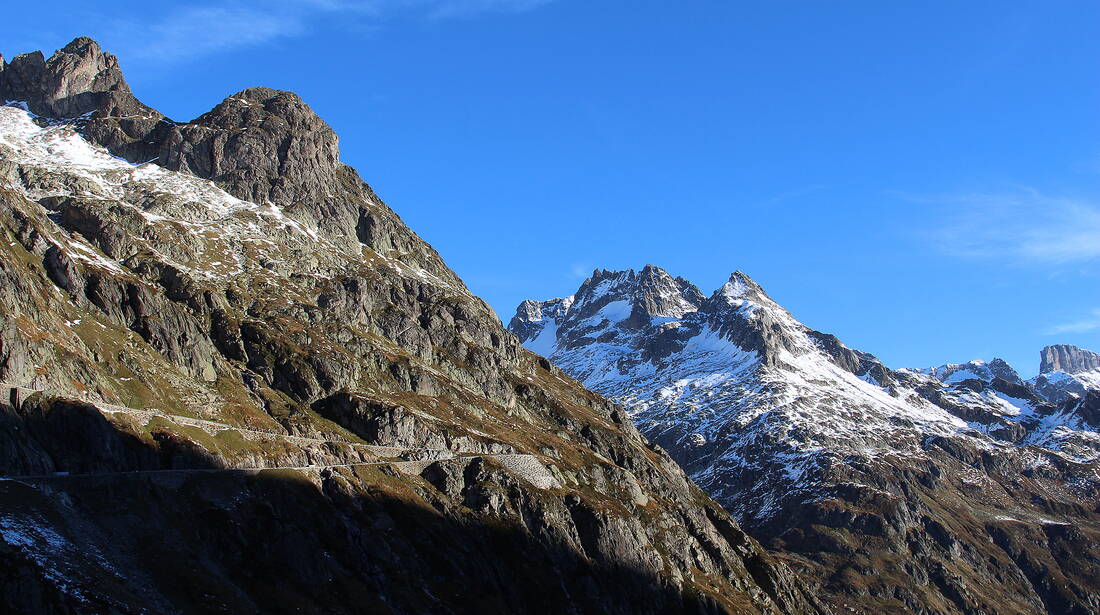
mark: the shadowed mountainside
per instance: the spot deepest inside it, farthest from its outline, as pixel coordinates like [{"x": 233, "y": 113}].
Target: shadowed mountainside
[{"x": 231, "y": 269}]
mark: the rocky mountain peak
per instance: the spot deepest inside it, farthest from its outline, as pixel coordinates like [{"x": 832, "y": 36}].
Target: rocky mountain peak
[
  {"x": 609, "y": 305},
  {"x": 83, "y": 46},
  {"x": 740, "y": 287},
  {"x": 636, "y": 297},
  {"x": 658, "y": 294},
  {"x": 654, "y": 315},
  {"x": 84, "y": 85},
  {"x": 75, "y": 80},
  {"x": 951, "y": 373},
  {"x": 535, "y": 317},
  {"x": 257, "y": 104},
  {"x": 1003, "y": 370},
  {"x": 1067, "y": 358},
  {"x": 261, "y": 145},
  {"x": 265, "y": 145},
  {"x": 741, "y": 312}
]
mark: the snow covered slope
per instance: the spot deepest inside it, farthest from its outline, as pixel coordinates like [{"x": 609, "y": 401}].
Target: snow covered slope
[
  {"x": 784, "y": 424},
  {"x": 692, "y": 370}
]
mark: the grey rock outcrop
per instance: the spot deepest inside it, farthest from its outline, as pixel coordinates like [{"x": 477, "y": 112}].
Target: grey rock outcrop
[
  {"x": 1066, "y": 373},
  {"x": 639, "y": 297},
  {"x": 76, "y": 80},
  {"x": 1068, "y": 359}
]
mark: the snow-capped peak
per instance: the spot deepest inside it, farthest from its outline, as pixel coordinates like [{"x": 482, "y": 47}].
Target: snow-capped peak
[
  {"x": 651, "y": 292},
  {"x": 740, "y": 287},
  {"x": 738, "y": 389},
  {"x": 951, "y": 373},
  {"x": 608, "y": 305}
]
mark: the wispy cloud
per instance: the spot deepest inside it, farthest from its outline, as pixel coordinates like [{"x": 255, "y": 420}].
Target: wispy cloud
[
  {"x": 465, "y": 8},
  {"x": 1024, "y": 226},
  {"x": 1091, "y": 323},
  {"x": 204, "y": 29},
  {"x": 580, "y": 271}
]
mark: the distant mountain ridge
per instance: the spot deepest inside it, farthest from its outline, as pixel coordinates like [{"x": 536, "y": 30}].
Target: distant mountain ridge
[
  {"x": 823, "y": 450},
  {"x": 980, "y": 370}
]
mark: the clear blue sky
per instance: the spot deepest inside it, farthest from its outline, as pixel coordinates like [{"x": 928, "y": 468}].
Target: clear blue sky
[{"x": 920, "y": 178}]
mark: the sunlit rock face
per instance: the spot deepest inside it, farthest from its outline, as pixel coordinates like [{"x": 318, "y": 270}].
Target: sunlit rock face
[{"x": 1066, "y": 372}]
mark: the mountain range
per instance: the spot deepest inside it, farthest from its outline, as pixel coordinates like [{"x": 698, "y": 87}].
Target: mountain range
[
  {"x": 234, "y": 381},
  {"x": 959, "y": 488}
]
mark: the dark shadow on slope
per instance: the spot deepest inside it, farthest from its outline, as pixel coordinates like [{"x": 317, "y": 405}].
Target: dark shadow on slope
[
  {"x": 49, "y": 435},
  {"x": 362, "y": 541}
]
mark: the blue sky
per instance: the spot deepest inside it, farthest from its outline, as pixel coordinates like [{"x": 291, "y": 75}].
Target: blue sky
[{"x": 920, "y": 178}]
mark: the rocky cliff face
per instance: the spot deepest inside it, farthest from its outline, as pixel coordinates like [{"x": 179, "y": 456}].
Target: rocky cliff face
[
  {"x": 1069, "y": 359},
  {"x": 77, "y": 80},
  {"x": 247, "y": 386},
  {"x": 1066, "y": 373},
  {"x": 957, "y": 489}
]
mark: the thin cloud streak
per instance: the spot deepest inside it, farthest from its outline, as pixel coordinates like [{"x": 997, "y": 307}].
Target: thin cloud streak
[
  {"x": 1024, "y": 226},
  {"x": 203, "y": 30},
  {"x": 1080, "y": 326},
  {"x": 197, "y": 31},
  {"x": 467, "y": 8},
  {"x": 580, "y": 271}
]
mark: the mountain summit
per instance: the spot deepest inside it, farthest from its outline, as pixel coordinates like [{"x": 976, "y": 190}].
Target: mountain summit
[
  {"x": 918, "y": 487},
  {"x": 79, "y": 79},
  {"x": 1068, "y": 359},
  {"x": 1066, "y": 373},
  {"x": 980, "y": 370}
]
